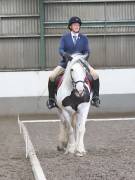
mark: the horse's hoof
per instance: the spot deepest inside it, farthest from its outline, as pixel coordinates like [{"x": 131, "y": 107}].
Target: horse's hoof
[
  {"x": 60, "y": 148},
  {"x": 84, "y": 152},
  {"x": 69, "y": 151},
  {"x": 79, "y": 154},
  {"x": 66, "y": 152}
]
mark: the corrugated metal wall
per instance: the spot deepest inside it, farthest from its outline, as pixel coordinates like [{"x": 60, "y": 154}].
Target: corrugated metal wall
[
  {"x": 25, "y": 43},
  {"x": 19, "y": 34},
  {"x": 110, "y": 26}
]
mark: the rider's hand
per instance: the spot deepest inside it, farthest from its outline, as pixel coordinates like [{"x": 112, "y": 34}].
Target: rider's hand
[{"x": 67, "y": 57}]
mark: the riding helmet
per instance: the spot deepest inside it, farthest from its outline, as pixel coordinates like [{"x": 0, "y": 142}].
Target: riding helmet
[{"x": 74, "y": 19}]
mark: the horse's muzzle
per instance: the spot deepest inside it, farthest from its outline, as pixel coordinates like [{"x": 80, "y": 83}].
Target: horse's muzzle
[{"x": 79, "y": 93}]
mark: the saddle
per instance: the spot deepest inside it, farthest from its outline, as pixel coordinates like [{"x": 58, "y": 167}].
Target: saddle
[{"x": 58, "y": 81}]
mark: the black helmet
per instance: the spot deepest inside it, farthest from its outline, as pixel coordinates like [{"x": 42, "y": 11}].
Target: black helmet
[{"x": 74, "y": 19}]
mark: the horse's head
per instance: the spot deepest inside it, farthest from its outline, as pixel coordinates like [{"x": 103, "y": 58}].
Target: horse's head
[{"x": 78, "y": 75}]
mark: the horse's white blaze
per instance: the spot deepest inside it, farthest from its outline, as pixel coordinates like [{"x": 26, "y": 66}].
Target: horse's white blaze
[
  {"x": 72, "y": 125},
  {"x": 79, "y": 86}
]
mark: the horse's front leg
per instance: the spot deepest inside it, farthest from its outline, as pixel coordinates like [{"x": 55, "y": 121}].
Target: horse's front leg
[
  {"x": 80, "y": 129},
  {"x": 70, "y": 131},
  {"x": 63, "y": 137},
  {"x": 63, "y": 134}
]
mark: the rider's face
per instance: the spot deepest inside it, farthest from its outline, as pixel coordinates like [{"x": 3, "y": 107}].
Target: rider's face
[{"x": 75, "y": 27}]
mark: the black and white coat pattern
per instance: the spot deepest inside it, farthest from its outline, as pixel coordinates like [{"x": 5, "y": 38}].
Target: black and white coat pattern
[{"x": 73, "y": 101}]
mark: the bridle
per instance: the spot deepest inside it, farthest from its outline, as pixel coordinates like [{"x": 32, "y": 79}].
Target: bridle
[{"x": 74, "y": 83}]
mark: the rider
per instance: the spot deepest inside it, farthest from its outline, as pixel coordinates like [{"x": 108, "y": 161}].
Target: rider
[{"x": 70, "y": 43}]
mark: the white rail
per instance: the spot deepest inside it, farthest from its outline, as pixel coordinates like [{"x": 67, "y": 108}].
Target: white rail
[
  {"x": 88, "y": 120},
  {"x": 30, "y": 152}
]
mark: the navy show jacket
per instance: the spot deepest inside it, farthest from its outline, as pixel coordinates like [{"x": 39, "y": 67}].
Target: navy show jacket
[{"x": 67, "y": 45}]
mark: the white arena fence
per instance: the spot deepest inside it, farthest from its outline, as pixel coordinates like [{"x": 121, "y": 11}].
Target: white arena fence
[{"x": 30, "y": 152}]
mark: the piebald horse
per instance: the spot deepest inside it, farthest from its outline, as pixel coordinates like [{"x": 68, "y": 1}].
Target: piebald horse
[{"x": 73, "y": 101}]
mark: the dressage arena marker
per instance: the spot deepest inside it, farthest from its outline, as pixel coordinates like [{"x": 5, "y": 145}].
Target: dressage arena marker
[{"x": 30, "y": 152}]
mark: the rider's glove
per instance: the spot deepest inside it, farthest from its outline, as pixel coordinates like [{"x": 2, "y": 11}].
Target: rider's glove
[
  {"x": 67, "y": 57},
  {"x": 86, "y": 56}
]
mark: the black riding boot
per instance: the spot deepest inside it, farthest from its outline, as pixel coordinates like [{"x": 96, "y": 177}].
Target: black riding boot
[
  {"x": 95, "y": 98},
  {"x": 51, "y": 101}
]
